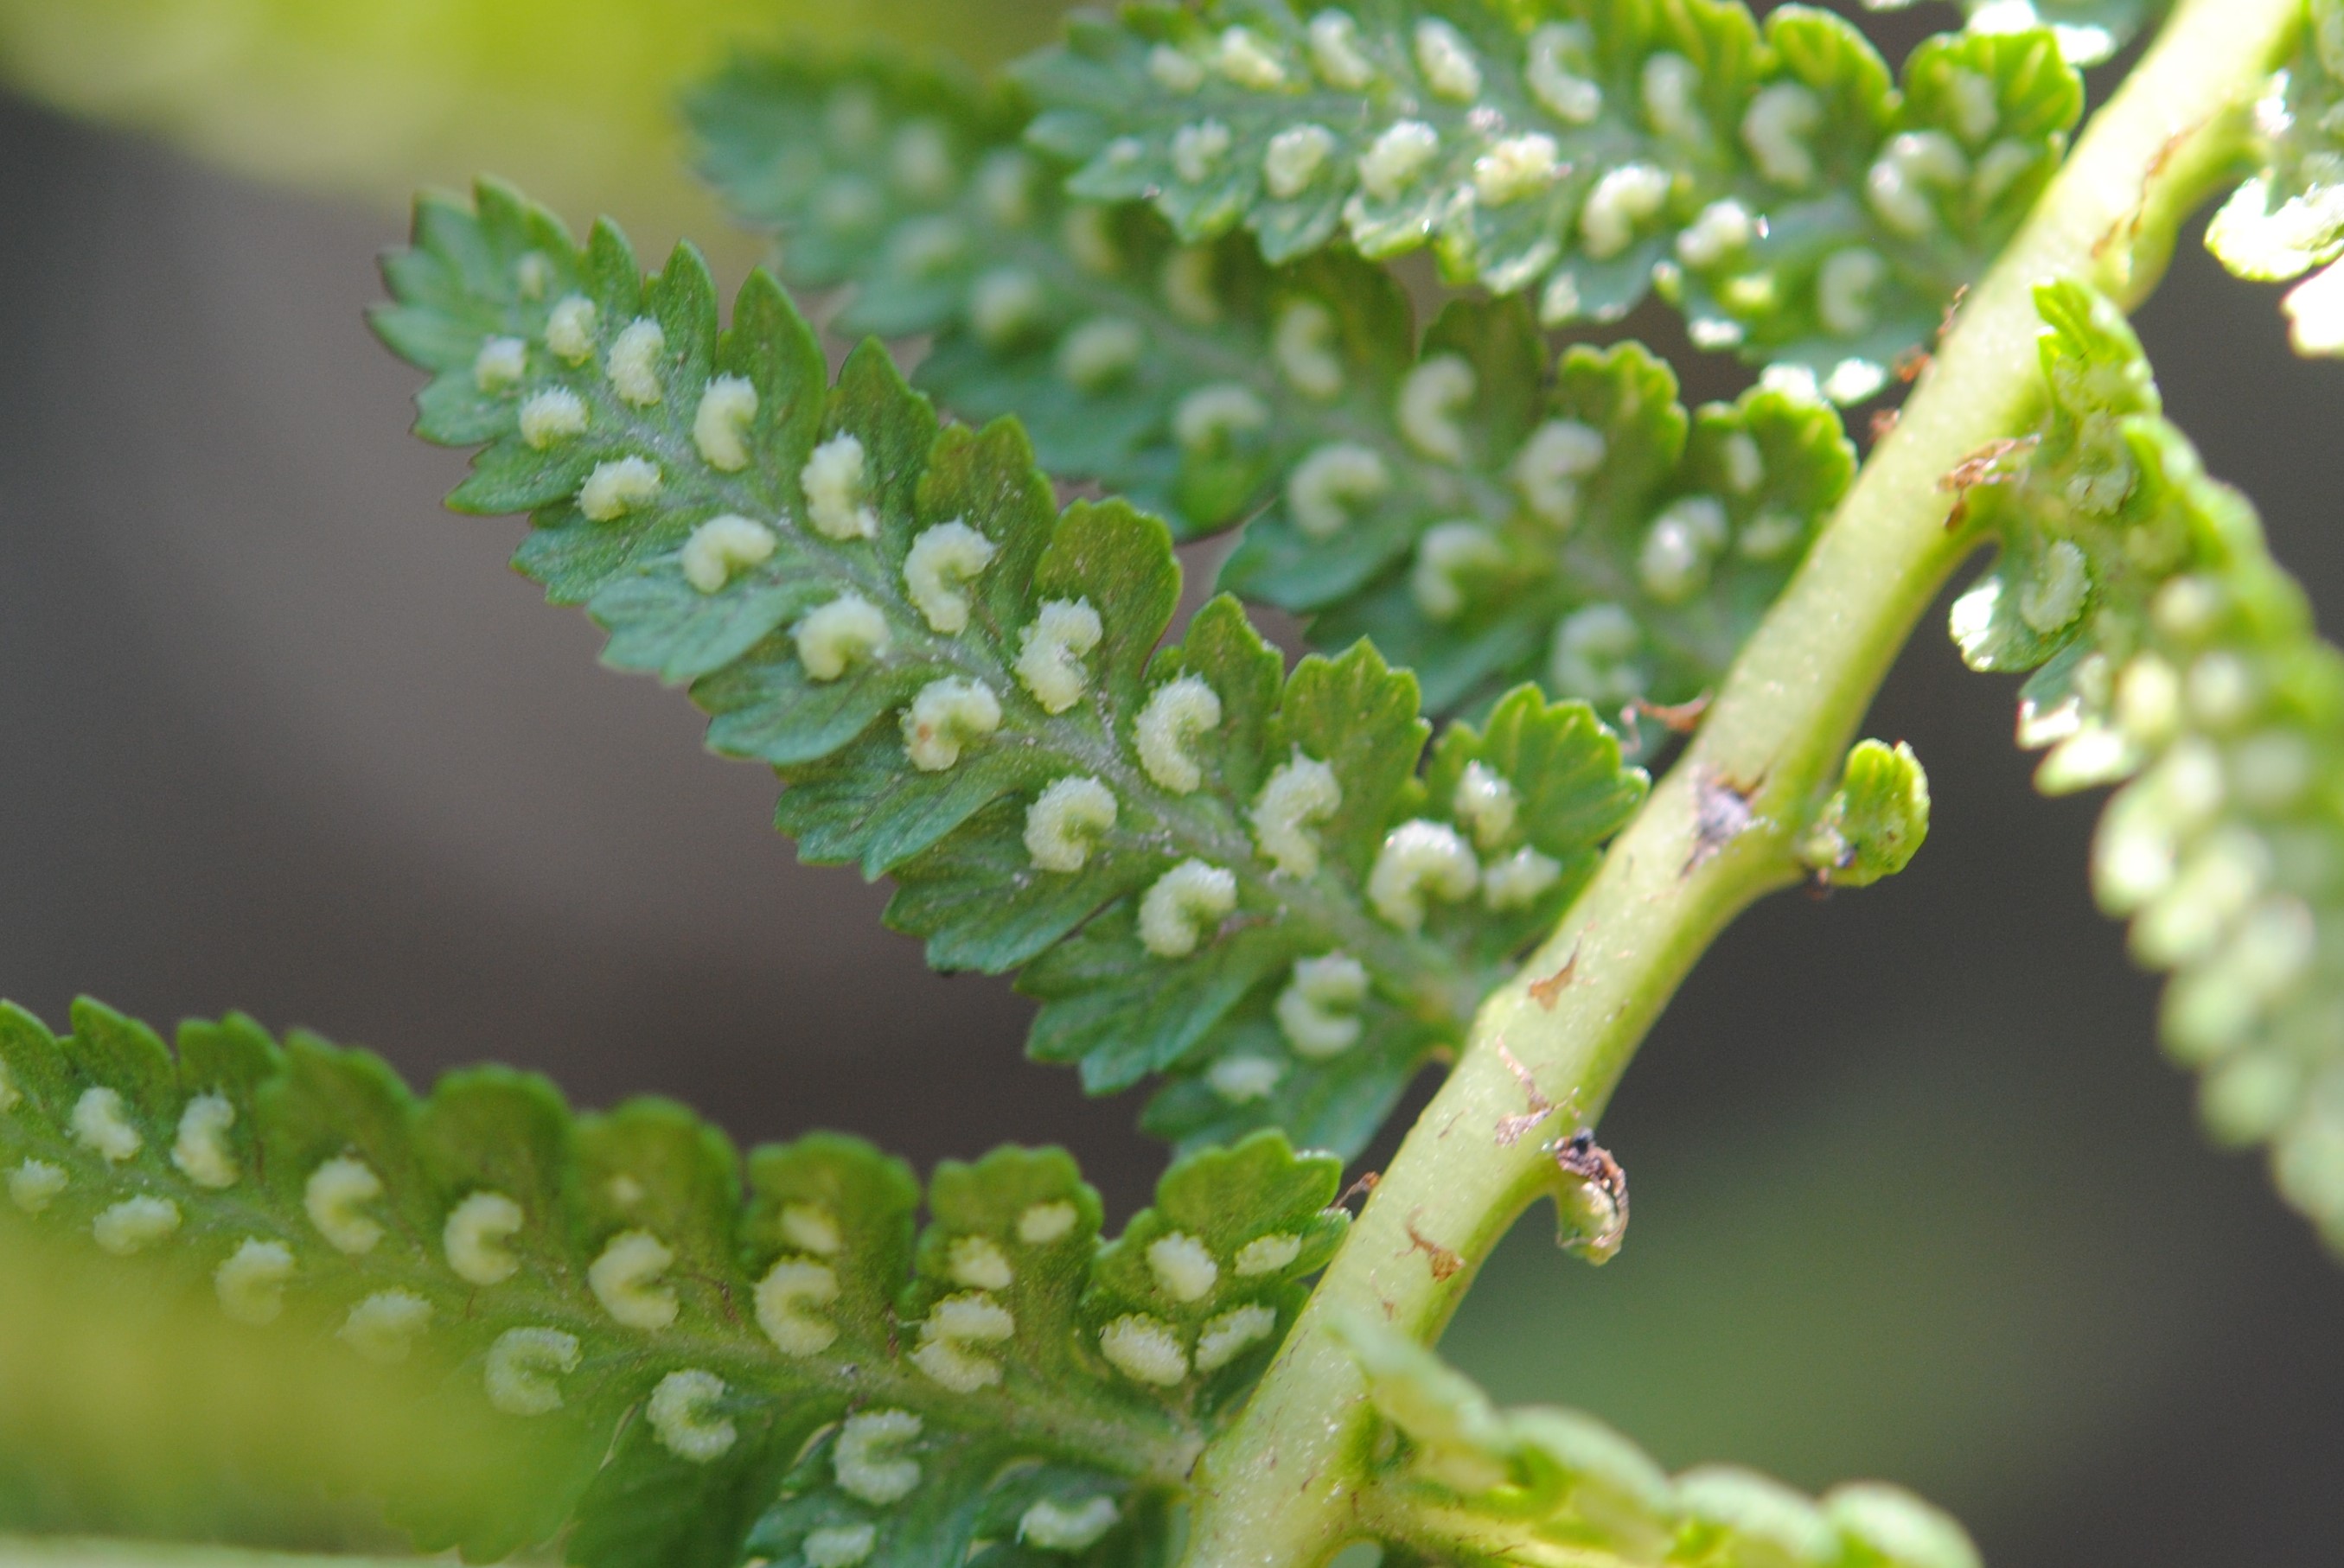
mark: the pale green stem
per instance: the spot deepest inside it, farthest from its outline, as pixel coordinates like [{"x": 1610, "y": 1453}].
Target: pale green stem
[{"x": 1281, "y": 1488}]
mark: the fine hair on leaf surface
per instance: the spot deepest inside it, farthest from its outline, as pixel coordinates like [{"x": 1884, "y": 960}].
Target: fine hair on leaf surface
[{"x": 1204, "y": 867}]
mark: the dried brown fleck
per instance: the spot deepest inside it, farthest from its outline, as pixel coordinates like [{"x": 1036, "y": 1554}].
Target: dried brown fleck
[
  {"x": 1545, "y": 991},
  {"x": 1953, "y": 309},
  {"x": 1364, "y": 1187},
  {"x": 1983, "y": 466},
  {"x": 1510, "y": 1129},
  {"x": 1443, "y": 1262},
  {"x": 1910, "y": 364},
  {"x": 1883, "y": 423},
  {"x": 1678, "y": 718}
]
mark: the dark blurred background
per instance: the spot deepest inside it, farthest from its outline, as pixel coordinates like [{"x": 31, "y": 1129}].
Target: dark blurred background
[{"x": 1915, "y": 1197}]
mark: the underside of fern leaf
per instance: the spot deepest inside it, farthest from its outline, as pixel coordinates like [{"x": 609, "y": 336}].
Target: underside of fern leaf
[
  {"x": 1204, "y": 866},
  {"x": 677, "y": 1372},
  {"x": 1484, "y": 516},
  {"x": 1771, "y": 181},
  {"x": 2169, "y": 649},
  {"x": 2287, "y": 218}
]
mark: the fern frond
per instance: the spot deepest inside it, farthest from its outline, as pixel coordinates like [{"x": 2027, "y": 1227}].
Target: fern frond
[
  {"x": 2088, "y": 31},
  {"x": 673, "y": 1366},
  {"x": 2171, "y": 650},
  {"x": 1466, "y": 1481},
  {"x": 2288, "y": 216},
  {"x": 1578, "y": 504},
  {"x": 1202, "y": 866},
  {"x": 1796, "y": 207}
]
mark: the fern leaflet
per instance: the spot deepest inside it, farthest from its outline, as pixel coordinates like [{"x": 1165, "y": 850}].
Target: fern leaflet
[
  {"x": 1433, "y": 499},
  {"x": 1466, "y": 1481},
  {"x": 1793, "y": 204},
  {"x": 2288, "y": 216},
  {"x": 2088, "y": 31},
  {"x": 1202, "y": 867},
  {"x": 810, "y": 1376},
  {"x": 2169, "y": 649}
]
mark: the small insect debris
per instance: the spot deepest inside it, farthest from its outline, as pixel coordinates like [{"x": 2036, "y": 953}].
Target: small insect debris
[
  {"x": 1607, "y": 1185},
  {"x": 1721, "y": 814},
  {"x": 1443, "y": 1262}
]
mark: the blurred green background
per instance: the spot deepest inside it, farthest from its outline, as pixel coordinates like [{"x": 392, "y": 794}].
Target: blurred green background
[{"x": 1914, "y": 1196}]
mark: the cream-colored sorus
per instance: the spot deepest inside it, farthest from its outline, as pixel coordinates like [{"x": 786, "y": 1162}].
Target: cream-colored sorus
[
  {"x": 1182, "y": 905},
  {"x": 1175, "y": 70},
  {"x": 1087, "y": 235},
  {"x": 789, "y": 1302},
  {"x": 683, "y": 1412},
  {"x": 1198, "y": 150},
  {"x": 1515, "y": 167},
  {"x": 1100, "y": 352},
  {"x": 1421, "y": 860},
  {"x": 1317, "y": 1010},
  {"x": 1519, "y": 879},
  {"x": 1053, "y": 1527},
  {"x": 848, "y": 629},
  {"x": 1625, "y": 198},
  {"x": 101, "y": 1123},
  {"x": 1432, "y": 396},
  {"x": 522, "y": 1370},
  {"x": 1266, "y": 1254},
  {"x": 1846, "y": 286},
  {"x": 569, "y": 328},
  {"x": 1004, "y": 304},
  {"x": 1051, "y": 650},
  {"x": 1392, "y": 162},
  {"x": 634, "y": 363},
  {"x": 1291, "y": 164},
  {"x": 1335, "y": 52},
  {"x": 839, "y": 1545},
  {"x": 1299, "y": 794},
  {"x": 1592, "y": 657},
  {"x": 553, "y": 415},
  {"x": 1720, "y": 230},
  {"x": 719, "y": 426},
  {"x": 1043, "y": 1223},
  {"x": 978, "y": 1263},
  {"x": 1188, "y": 286},
  {"x": 812, "y": 1228},
  {"x": 335, "y": 1198},
  {"x": 474, "y": 1238},
  {"x": 920, "y": 161},
  {"x": 1330, "y": 482},
  {"x": 384, "y": 1327},
  {"x": 1242, "y": 1077},
  {"x": 946, "y": 715},
  {"x": 35, "y": 1184},
  {"x": 723, "y": 546},
  {"x": 2052, "y": 595},
  {"x": 617, "y": 487},
  {"x": 1897, "y": 184},
  {"x": 1245, "y": 58},
  {"x": 833, "y": 480},
  {"x": 625, "y": 1279},
  {"x": 1776, "y": 127},
  {"x": 1556, "y": 70},
  {"x": 1447, "y": 62},
  {"x": 951, "y": 1336},
  {"x": 251, "y": 1282},
  {"x": 1671, "y": 86},
  {"x": 1184, "y": 1267},
  {"x": 1547, "y": 471},
  {"x": 1232, "y": 1334},
  {"x": 1744, "y": 465},
  {"x": 1303, "y": 344},
  {"x": 202, "y": 1150},
  {"x": 1212, "y": 415},
  {"x": 135, "y": 1225},
  {"x": 1066, "y": 821},
  {"x": 533, "y": 274},
  {"x": 1673, "y": 562},
  {"x": 865, "y": 1458},
  {"x": 501, "y": 363},
  {"x": 1178, "y": 712},
  {"x": 1445, "y": 551},
  {"x": 942, "y": 562},
  {"x": 1144, "y": 1350}
]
